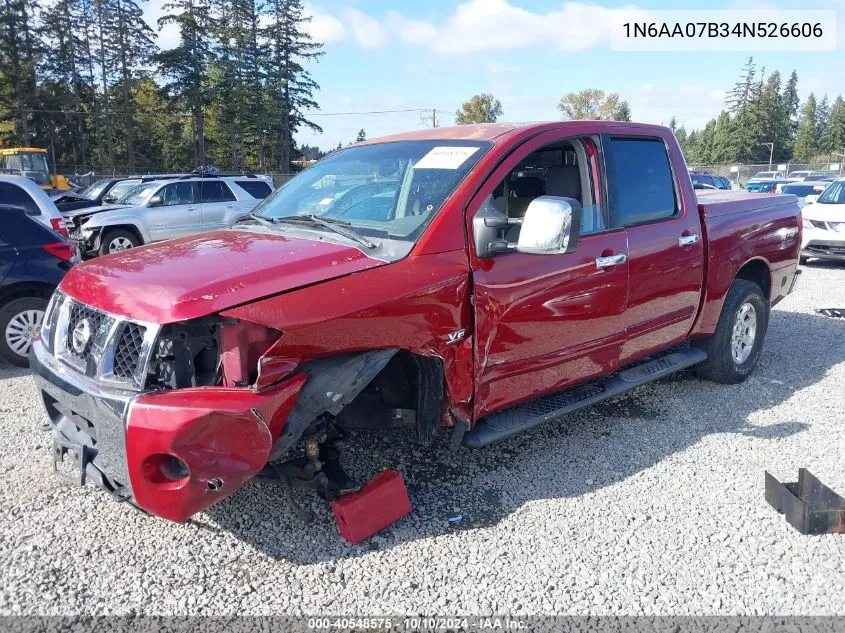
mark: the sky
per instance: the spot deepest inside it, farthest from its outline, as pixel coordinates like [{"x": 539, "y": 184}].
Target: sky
[{"x": 436, "y": 54}]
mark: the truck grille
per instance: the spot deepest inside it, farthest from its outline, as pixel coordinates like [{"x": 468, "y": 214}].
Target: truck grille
[
  {"x": 127, "y": 352},
  {"x": 103, "y": 346},
  {"x": 80, "y": 313}
]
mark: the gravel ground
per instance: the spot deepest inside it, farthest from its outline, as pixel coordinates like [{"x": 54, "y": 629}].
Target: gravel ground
[{"x": 649, "y": 504}]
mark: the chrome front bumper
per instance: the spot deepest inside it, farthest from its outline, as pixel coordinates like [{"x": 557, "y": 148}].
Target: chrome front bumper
[{"x": 85, "y": 413}]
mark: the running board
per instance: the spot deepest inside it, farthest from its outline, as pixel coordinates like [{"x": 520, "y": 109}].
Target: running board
[{"x": 545, "y": 408}]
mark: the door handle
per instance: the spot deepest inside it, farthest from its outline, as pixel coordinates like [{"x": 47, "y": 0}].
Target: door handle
[
  {"x": 611, "y": 260},
  {"x": 688, "y": 240},
  {"x": 192, "y": 209},
  {"x": 231, "y": 206}
]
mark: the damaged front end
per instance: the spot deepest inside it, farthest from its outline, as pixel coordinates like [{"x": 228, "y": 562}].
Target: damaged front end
[
  {"x": 148, "y": 412},
  {"x": 176, "y": 417}
]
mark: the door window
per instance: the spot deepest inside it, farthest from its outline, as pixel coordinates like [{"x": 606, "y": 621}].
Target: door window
[
  {"x": 14, "y": 195},
  {"x": 215, "y": 191},
  {"x": 560, "y": 169},
  {"x": 643, "y": 188},
  {"x": 256, "y": 188},
  {"x": 177, "y": 193}
]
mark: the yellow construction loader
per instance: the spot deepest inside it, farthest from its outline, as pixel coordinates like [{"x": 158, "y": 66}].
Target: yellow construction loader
[{"x": 31, "y": 162}]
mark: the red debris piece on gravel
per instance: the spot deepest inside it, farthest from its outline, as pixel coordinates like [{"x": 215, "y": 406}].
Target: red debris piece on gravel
[{"x": 381, "y": 501}]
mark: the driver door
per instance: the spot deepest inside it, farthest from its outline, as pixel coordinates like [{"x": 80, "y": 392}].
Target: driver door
[
  {"x": 543, "y": 322},
  {"x": 179, "y": 213}
]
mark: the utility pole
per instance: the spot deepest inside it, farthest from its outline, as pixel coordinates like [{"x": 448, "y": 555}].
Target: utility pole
[
  {"x": 771, "y": 147},
  {"x": 842, "y": 161},
  {"x": 433, "y": 117}
]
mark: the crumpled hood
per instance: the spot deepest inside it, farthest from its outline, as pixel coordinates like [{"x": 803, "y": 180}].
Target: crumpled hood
[
  {"x": 92, "y": 210},
  {"x": 203, "y": 274}
]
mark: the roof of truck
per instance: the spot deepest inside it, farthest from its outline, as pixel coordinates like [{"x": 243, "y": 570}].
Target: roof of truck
[{"x": 498, "y": 131}]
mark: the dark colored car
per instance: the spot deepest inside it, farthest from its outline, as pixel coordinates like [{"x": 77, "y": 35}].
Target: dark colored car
[
  {"x": 100, "y": 192},
  {"x": 33, "y": 260},
  {"x": 704, "y": 178}
]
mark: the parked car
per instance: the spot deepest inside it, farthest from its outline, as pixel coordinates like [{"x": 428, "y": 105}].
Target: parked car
[
  {"x": 33, "y": 259},
  {"x": 161, "y": 210},
  {"x": 767, "y": 175},
  {"x": 804, "y": 189},
  {"x": 22, "y": 192},
  {"x": 101, "y": 192},
  {"x": 704, "y": 178},
  {"x": 444, "y": 290},
  {"x": 765, "y": 186},
  {"x": 824, "y": 224},
  {"x": 821, "y": 176}
]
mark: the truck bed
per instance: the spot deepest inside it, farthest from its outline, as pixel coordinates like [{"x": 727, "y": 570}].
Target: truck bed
[{"x": 712, "y": 204}]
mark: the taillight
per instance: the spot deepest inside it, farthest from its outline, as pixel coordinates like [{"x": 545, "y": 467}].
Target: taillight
[
  {"x": 64, "y": 251},
  {"x": 59, "y": 226}
]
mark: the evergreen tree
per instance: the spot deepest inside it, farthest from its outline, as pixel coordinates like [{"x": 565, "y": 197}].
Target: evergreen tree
[
  {"x": 131, "y": 39},
  {"x": 835, "y": 137},
  {"x": 19, "y": 50},
  {"x": 823, "y": 125},
  {"x": 806, "y": 140},
  {"x": 289, "y": 83},
  {"x": 187, "y": 65},
  {"x": 362, "y": 136}
]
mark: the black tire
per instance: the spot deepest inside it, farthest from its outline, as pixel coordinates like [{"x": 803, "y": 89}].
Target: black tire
[
  {"x": 112, "y": 235},
  {"x": 721, "y": 365},
  {"x": 15, "y": 308}
]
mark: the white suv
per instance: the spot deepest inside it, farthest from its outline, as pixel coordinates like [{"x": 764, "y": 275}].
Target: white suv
[{"x": 163, "y": 210}]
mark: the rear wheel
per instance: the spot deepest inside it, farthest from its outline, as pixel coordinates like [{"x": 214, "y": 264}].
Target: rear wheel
[
  {"x": 117, "y": 240},
  {"x": 733, "y": 350},
  {"x": 20, "y": 321}
]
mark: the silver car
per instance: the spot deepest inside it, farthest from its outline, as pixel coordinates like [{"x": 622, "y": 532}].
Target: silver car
[{"x": 165, "y": 209}]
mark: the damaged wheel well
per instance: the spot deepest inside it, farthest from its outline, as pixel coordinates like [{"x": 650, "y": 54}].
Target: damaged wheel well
[{"x": 368, "y": 389}]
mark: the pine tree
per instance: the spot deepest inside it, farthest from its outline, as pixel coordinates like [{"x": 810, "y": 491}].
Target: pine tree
[
  {"x": 806, "y": 140},
  {"x": 622, "y": 112},
  {"x": 362, "y": 136},
  {"x": 822, "y": 125},
  {"x": 19, "y": 50},
  {"x": 836, "y": 128},
  {"x": 133, "y": 48},
  {"x": 289, "y": 83},
  {"x": 187, "y": 65}
]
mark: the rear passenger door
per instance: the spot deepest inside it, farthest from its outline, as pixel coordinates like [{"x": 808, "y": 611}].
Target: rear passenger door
[
  {"x": 179, "y": 213},
  {"x": 218, "y": 203},
  {"x": 665, "y": 242}
]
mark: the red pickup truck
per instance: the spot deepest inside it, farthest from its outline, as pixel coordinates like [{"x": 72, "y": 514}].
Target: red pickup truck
[{"x": 480, "y": 279}]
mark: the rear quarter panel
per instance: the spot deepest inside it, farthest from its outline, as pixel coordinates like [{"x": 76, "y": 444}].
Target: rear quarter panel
[{"x": 741, "y": 228}]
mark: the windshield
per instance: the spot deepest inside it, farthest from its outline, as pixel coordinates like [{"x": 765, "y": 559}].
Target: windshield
[
  {"x": 835, "y": 194},
  {"x": 93, "y": 191},
  {"x": 121, "y": 188},
  {"x": 31, "y": 165},
  {"x": 389, "y": 189},
  {"x": 138, "y": 195}
]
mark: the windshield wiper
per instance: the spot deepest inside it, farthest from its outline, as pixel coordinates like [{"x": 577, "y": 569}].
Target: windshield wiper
[
  {"x": 261, "y": 220},
  {"x": 341, "y": 227}
]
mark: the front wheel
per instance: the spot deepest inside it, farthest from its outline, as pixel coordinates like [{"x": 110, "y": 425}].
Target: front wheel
[
  {"x": 117, "y": 240},
  {"x": 733, "y": 350},
  {"x": 20, "y": 321}
]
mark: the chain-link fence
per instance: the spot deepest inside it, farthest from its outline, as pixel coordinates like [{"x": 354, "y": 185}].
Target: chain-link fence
[
  {"x": 89, "y": 177},
  {"x": 742, "y": 173}
]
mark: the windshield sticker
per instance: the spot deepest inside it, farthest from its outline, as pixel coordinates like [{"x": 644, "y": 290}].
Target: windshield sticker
[
  {"x": 326, "y": 201},
  {"x": 445, "y": 157}
]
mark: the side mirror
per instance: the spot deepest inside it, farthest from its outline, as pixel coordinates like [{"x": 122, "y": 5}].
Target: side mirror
[
  {"x": 551, "y": 226},
  {"x": 155, "y": 201}
]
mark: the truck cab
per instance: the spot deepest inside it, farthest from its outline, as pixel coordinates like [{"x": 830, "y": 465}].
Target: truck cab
[{"x": 476, "y": 280}]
